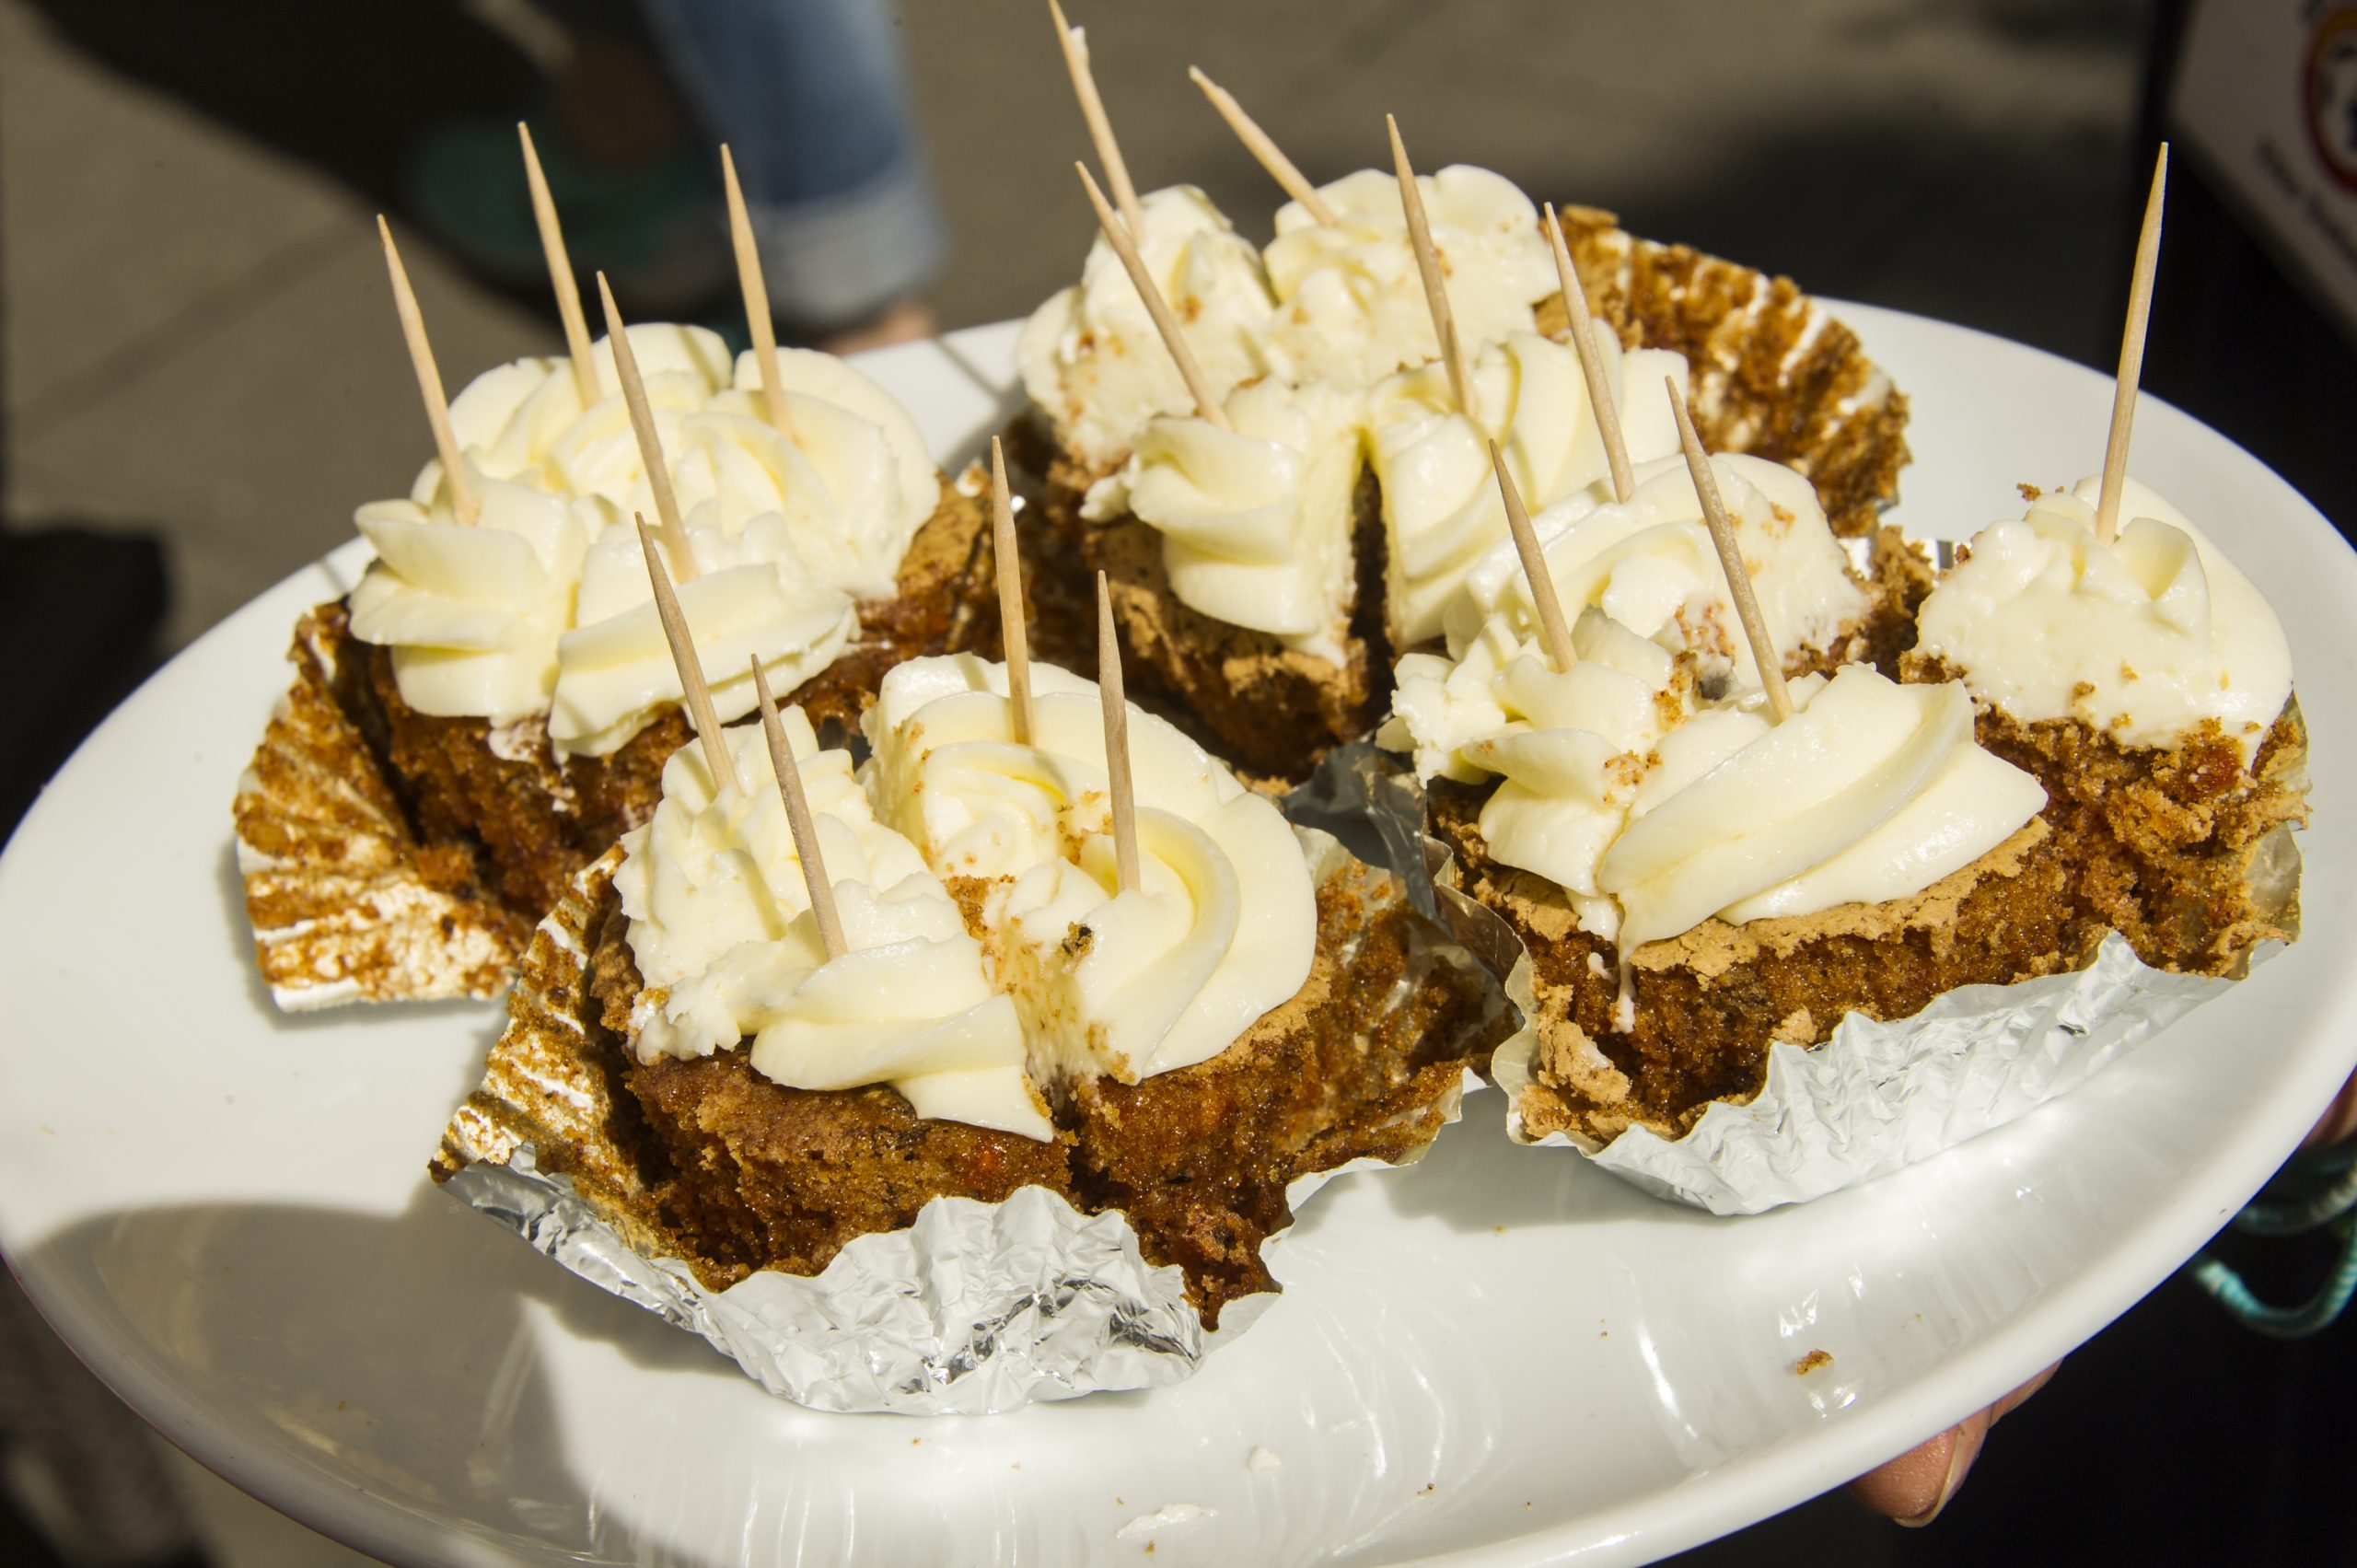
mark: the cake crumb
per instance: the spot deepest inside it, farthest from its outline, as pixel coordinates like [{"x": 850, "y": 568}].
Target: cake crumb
[
  {"x": 2029, "y": 491},
  {"x": 1811, "y": 1362}
]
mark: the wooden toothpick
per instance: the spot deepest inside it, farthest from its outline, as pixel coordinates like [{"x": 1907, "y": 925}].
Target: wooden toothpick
[
  {"x": 1747, "y": 603},
  {"x": 650, "y": 444},
  {"x": 1270, "y": 156},
  {"x": 757, "y": 295},
  {"x": 1117, "y": 743},
  {"x": 705, "y": 722},
  {"x": 1100, "y": 130},
  {"x": 1420, "y": 235},
  {"x": 429, "y": 381},
  {"x": 561, "y": 279},
  {"x": 1599, "y": 395},
  {"x": 1206, "y": 406},
  {"x": 797, "y": 818},
  {"x": 2131, "y": 356},
  {"x": 1012, "y": 633},
  {"x": 1534, "y": 566}
]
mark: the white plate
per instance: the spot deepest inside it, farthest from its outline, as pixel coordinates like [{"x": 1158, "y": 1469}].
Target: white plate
[{"x": 1501, "y": 1356}]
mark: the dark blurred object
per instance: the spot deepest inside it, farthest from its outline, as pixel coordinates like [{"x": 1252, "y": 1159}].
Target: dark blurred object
[
  {"x": 81, "y": 609},
  {"x": 347, "y": 89},
  {"x": 2246, "y": 337}
]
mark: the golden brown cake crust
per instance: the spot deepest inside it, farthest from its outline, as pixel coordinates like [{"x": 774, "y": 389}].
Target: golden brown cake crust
[
  {"x": 2182, "y": 848},
  {"x": 1709, "y": 1002},
  {"x": 708, "y": 1161}
]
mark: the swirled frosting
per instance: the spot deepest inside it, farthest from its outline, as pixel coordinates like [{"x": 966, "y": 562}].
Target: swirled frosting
[
  {"x": 2144, "y": 641},
  {"x": 1255, "y": 520},
  {"x": 1654, "y": 811},
  {"x": 1441, "y": 504},
  {"x": 1649, "y": 564},
  {"x": 473, "y": 615},
  {"x": 1870, "y": 791},
  {"x": 720, "y": 925},
  {"x": 511, "y": 419},
  {"x": 1090, "y": 357},
  {"x": 787, "y": 533},
  {"x": 1129, "y": 983},
  {"x": 1351, "y": 307}
]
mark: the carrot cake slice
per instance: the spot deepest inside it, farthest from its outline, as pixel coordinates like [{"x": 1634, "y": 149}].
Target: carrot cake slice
[
  {"x": 1006, "y": 1015},
  {"x": 501, "y": 693},
  {"x": 2147, "y": 684}
]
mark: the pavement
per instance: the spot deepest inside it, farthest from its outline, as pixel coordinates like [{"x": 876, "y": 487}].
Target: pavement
[{"x": 198, "y": 342}]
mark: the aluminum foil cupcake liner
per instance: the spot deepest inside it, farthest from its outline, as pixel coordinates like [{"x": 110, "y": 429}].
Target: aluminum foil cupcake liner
[
  {"x": 976, "y": 1308},
  {"x": 1872, "y": 1099},
  {"x": 1878, "y": 1095}
]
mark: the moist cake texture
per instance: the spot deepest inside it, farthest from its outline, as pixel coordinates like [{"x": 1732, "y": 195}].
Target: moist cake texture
[
  {"x": 476, "y": 830},
  {"x": 709, "y": 1161}
]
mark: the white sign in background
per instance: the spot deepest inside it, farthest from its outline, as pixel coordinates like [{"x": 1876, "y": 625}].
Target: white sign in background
[{"x": 2266, "y": 93}]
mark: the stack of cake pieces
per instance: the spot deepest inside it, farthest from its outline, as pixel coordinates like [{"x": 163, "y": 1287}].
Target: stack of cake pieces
[
  {"x": 1279, "y": 456},
  {"x": 491, "y": 705}
]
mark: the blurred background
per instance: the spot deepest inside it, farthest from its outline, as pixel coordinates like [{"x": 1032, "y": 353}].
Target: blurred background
[{"x": 203, "y": 375}]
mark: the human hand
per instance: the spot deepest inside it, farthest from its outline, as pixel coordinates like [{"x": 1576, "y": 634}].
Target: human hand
[{"x": 1914, "y": 1487}]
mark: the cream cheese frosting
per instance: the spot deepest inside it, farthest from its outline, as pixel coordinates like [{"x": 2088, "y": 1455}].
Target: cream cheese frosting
[
  {"x": 1352, "y": 305},
  {"x": 2144, "y": 640},
  {"x": 1869, "y": 791},
  {"x": 1090, "y": 357},
  {"x": 1442, "y": 509},
  {"x": 1654, "y": 811},
  {"x": 510, "y": 419},
  {"x": 1649, "y": 564},
  {"x": 720, "y": 925},
  {"x": 473, "y": 615},
  {"x": 787, "y": 531},
  {"x": 1222, "y": 928},
  {"x": 1255, "y": 520}
]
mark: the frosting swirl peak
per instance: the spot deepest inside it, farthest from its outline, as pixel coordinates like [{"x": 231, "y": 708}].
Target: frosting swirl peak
[
  {"x": 721, "y": 930},
  {"x": 1129, "y": 984}
]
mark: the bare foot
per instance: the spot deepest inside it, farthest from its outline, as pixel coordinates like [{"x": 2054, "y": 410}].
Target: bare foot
[{"x": 903, "y": 321}]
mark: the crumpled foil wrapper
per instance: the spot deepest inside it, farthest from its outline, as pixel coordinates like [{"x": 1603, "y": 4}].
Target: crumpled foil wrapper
[
  {"x": 1879, "y": 1096},
  {"x": 1872, "y": 1099},
  {"x": 975, "y": 1308}
]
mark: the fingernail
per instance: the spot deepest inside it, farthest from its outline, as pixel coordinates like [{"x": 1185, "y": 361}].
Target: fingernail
[{"x": 1960, "y": 1458}]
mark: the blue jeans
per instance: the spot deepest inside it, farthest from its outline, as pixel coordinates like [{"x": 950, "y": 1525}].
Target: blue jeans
[{"x": 812, "y": 99}]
